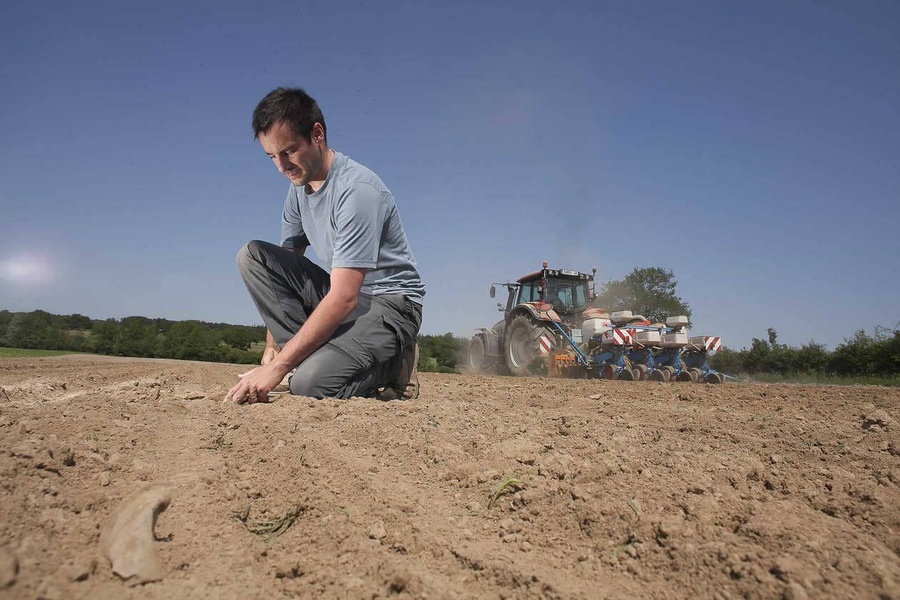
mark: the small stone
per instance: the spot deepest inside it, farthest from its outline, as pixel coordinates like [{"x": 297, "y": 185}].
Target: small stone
[
  {"x": 288, "y": 569},
  {"x": 775, "y": 459},
  {"x": 105, "y": 478},
  {"x": 377, "y": 531},
  {"x": 877, "y": 420}
]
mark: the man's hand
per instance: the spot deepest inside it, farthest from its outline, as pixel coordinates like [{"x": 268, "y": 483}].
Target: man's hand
[
  {"x": 337, "y": 304},
  {"x": 256, "y": 384}
]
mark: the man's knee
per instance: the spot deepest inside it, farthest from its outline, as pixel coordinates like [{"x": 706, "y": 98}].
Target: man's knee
[
  {"x": 311, "y": 387},
  {"x": 328, "y": 373},
  {"x": 250, "y": 254}
]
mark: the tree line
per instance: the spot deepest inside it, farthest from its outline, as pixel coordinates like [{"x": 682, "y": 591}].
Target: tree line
[
  {"x": 132, "y": 336},
  {"x": 143, "y": 337},
  {"x": 861, "y": 355},
  {"x": 652, "y": 292}
]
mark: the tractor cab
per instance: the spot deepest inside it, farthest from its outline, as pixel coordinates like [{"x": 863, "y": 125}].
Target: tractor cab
[
  {"x": 542, "y": 310},
  {"x": 567, "y": 292}
]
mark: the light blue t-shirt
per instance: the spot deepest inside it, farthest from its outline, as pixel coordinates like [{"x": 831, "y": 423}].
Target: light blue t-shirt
[{"x": 352, "y": 222}]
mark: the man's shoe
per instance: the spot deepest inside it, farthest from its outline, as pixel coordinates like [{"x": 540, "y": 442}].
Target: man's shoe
[
  {"x": 406, "y": 387},
  {"x": 409, "y": 374}
]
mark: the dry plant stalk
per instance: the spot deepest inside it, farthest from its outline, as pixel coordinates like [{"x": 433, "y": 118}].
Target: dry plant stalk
[{"x": 269, "y": 528}]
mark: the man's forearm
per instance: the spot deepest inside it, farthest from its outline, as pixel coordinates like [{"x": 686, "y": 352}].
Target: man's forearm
[
  {"x": 317, "y": 330},
  {"x": 270, "y": 350}
]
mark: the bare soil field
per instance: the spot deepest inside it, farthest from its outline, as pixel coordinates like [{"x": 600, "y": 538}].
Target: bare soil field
[{"x": 484, "y": 487}]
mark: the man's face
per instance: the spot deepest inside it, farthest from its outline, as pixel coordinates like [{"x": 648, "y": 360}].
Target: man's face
[{"x": 294, "y": 156}]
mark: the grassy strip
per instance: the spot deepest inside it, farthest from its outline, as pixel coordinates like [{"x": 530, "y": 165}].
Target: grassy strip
[{"x": 27, "y": 353}]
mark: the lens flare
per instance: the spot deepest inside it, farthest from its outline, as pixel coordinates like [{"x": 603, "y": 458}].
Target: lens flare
[{"x": 25, "y": 269}]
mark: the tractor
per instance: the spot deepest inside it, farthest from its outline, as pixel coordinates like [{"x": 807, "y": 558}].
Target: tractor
[
  {"x": 550, "y": 326},
  {"x": 542, "y": 310}
]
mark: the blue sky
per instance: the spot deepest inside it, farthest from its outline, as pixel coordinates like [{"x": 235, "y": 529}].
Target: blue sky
[{"x": 753, "y": 148}]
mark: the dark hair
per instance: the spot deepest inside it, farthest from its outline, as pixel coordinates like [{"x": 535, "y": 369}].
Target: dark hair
[{"x": 288, "y": 105}]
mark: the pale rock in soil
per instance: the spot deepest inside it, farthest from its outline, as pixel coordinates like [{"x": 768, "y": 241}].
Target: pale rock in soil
[
  {"x": 877, "y": 420},
  {"x": 377, "y": 531},
  {"x": 127, "y": 537}
]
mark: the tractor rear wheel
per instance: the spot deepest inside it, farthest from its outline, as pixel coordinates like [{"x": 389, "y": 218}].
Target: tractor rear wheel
[
  {"x": 476, "y": 354},
  {"x": 522, "y": 347}
]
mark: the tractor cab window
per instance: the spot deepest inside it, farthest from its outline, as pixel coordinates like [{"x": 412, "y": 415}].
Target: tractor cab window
[
  {"x": 531, "y": 292},
  {"x": 566, "y": 296}
]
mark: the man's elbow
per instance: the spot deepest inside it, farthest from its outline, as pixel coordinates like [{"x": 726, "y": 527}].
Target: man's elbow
[
  {"x": 346, "y": 301},
  {"x": 350, "y": 302}
]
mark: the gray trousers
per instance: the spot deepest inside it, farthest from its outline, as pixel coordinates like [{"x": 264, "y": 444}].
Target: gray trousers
[{"x": 364, "y": 354}]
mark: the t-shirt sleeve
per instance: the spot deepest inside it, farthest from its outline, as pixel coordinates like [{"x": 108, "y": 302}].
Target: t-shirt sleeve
[
  {"x": 292, "y": 235},
  {"x": 359, "y": 219}
]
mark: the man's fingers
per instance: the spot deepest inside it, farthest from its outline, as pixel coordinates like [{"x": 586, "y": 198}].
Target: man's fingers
[
  {"x": 239, "y": 394},
  {"x": 251, "y": 388}
]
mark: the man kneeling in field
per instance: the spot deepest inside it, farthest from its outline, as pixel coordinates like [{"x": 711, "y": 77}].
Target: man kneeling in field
[{"x": 349, "y": 329}]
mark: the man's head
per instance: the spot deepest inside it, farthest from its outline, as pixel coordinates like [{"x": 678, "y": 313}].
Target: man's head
[
  {"x": 291, "y": 129},
  {"x": 292, "y": 106}
]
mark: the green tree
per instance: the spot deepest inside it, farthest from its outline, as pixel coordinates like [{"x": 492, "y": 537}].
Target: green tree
[
  {"x": 440, "y": 352},
  {"x": 104, "y": 335},
  {"x": 648, "y": 291},
  {"x": 727, "y": 361},
  {"x": 137, "y": 337},
  {"x": 756, "y": 360},
  {"x": 810, "y": 358}
]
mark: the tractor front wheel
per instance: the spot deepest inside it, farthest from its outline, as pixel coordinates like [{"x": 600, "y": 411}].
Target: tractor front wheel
[
  {"x": 476, "y": 354},
  {"x": 522, "y": 347}
]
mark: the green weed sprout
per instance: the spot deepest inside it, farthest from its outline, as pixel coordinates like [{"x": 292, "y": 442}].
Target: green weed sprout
[{"x": 512, "y": 482}]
